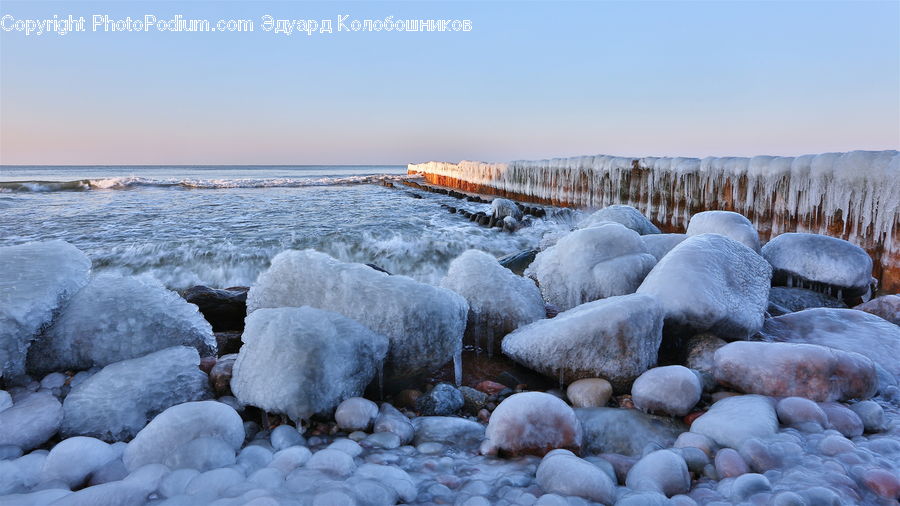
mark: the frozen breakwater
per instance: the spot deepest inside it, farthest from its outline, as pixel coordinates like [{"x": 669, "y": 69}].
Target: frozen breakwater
[{"x": 853, "y": 195}]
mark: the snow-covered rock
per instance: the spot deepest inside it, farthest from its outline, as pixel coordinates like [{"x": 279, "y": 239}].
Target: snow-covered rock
[
  {"x": 728, "y": 223},
  {"x": 711, "y": 283},
  {"x": 662, "y": 471},
  {"x": 616, "y": 339},
  {"x": 33, "y": 419},
  {"x": 625, "y": 431},
  {"x": 624, "y": 215},
  {"x": 73, "y": 460},
  {"x": 179, "y": 425},
  {"x": 424, "y": 323},
  {"x": 502, "y": 208},
  {"x": 671, "y": 390},
  {"x": 118, "y": 318},
  {"x": 561, "y": 472},
  {"x": 733, "y": 420},
  {"x": 819, "y": 261},
  {"x": 590, "y": 264},
  {"x": 886, "y": 306},
  {"x": 38, "y": 279},
  {"x": 659, "y": 245},
  {"x": 499, "y": 301},
  {"x": 533, "y": 423},
  {"x": 355, "y": 413},
  {"x": 815, "y": 372},
  {"x": 302, "y": 361},
  {"x": 589, "y": 393},
  {"x": 118, "y": 401}
]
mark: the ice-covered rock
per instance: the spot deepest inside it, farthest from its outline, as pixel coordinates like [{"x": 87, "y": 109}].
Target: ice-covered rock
[
  {"x": 843, "y": 419},
  {"x": 871, "y": 413},
  {"x": 442, "y": 400},
  {"x": 533, "y": 423},
  {"x": 616, "y": 339},
  {"x": 565, "y": 474},
  {"x": 302, "y": 361},
  {"x": 701, "y": 352},
  {"x": 589, "y": 393},
  {"x": 73, "y": 460},
  {"x": 820, "y": 262},
  {"x": 223, "y": 309},
  {"x": 661, "y": 471},
  {"x": 355, "y": 413},
  {"x": 392, "y": 476},
  {"x": 671, "y": 390},
  {"x": 733, "y": 420},
  {"x": 179, "y": 425},
  {"x": 33, "y": 419},
  {"x": 391, "y": 420},
  {"x": 118, "y": 401},
  {"x": 285, "y": 436},
  {"x": 499, "y": 301},
  {"x": 659, "y": 245},
  {"x": 730, "y": 464},
  {"x": 447, "y": 429},
  {"x": 424, "y": 323},
  {"x": 815, "y": 372},
  {"x": 783, "y": 300},
  {"x": 843, "y": 329},
  {"x": 590, "y": 264},
  {"x": 118, "y": 318},
  {"x": 728, "y": 223},
  {"x": 886, "y": 306},
  {"x": 625, "y": 431},
  {"x": 624, "y": 215},
  {"x": 39, "y": 278},
  {"x": 5, "y": 400},
  {"x": 800, "y": 412},
  {"x": 711, "y": 283},
  {"x": 502, "y": 208},
  {"x": 332, "y": 461}
]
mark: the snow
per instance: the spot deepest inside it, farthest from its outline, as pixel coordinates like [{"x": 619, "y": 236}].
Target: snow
[
  {"x": 303, "y": 361},
  {"x": 819, "y": 261},
  {"x": 616, "y": 339},
  {"x": 179, "y": 425},
  {"x": 117, "y": 318},
  {"x": 733, "y": 420},
  {"x": 118, "y": 401},
  {"x": 33, "y": 419},
  {"x": 38, "y": 279},
  {"x": 590, "y": 264},
  {"x": 625, "y": 215},
  {"x": 425, "y": 324},
  {"x": 499, "y": 301},
  {"x": 711, "y": 283},
  {"x": 73, "y": 460},
  {"x": 728, "y": 223},
  {"x": 533, "y": 423}
]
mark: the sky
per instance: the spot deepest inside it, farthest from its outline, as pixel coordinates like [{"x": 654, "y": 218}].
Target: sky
[{"x": 530, "y": 80}]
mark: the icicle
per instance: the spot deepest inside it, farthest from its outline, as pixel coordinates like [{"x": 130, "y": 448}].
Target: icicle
[
  {"x": 562, "y": 376},
  {"x": 490, "y": 346},
  {"x": 381, "y": 380},
  {"x": 457, "y": 367}
]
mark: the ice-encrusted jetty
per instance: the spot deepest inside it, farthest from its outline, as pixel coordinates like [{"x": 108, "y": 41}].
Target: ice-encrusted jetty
[{"x": 623, "y": 366}]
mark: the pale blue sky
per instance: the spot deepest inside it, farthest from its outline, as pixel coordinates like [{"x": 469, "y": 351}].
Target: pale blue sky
[{"x": 531, "y": 80}]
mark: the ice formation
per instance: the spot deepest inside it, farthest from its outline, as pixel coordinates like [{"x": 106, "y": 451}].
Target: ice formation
[
  {"x": 73, "y": 460},
  {"x": 118, "y": 401},
  {"x": 591, "y": 263},
  {"x": 625, "y": 215},
  {"x": 425, "y": 324},
  {"x": 303, "y": 361},
  {"x": 499, "y": 301},
  {"x": 38, "y": 279},
  {"x": 625, "y": 431},
  {"x": 561, "y": 472},
  {"x": 533, "y": 423},
  {"x": 711, "y": 283},
  {"x": 728, "y": 223},
  {"x": 117, "y": 318},
  {"x": 659, "y": 245},
  {"x": 733, "y": 420},
  {"x": 32, "y": 420},
  {"x": 662, "y": 471},
  {"x": 671, "y": 390},
  {"x": 819, "y": 261},
  {"x": 503, "y": 208}
]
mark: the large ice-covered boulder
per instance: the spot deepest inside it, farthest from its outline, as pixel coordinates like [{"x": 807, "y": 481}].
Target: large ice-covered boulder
[
  {"x": 117, "y": 318},
  {"x": 625, "y": 431},
  {"x": 591, "y": 263},
  {"x": 424, "y": 323},
  {"x": 302, "y": 361},
  {"x": 802, "y": 370},
  {"x": 37, "y": 279},
  {"x": 659, "y": 245},
  {"x": 733, "y": 420},
  {"x": 31, "y": 421},
  {"x": 118, "y": 401},
  {"x": 616, "y": 339},
  {"x": 625, "y": 215},
  {"x": 710, "y": 283},
  {"x": 728, "y": 223},
  {"x": 843, "y": 329},
  {"x": 820, "y": 262},
  {"x": 177, "y": 426},
  {"x": 502, "y": 208},
  {"x": 532, "y": 423},
  {"x": 499, "y": 301}
]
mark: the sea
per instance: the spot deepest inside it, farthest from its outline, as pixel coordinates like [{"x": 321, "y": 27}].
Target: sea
[{"x": 220, "y": 226}]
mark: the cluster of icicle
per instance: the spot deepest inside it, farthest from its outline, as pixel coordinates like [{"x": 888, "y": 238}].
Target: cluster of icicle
[{"x": 860, "y": 187}]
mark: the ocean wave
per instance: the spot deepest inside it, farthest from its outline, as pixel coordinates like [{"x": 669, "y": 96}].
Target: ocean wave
[{"x": 129, "y": 183}]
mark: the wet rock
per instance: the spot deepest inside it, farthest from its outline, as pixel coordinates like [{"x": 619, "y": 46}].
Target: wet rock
[
  {"x": 391, "y": 420},
  {"x": 624, "y": 215},
  {"x": 662, "y": 471},
  {"x": 615, "y": 338},
  {"x": 730, "y": 464},
  {"x": 589, "y": 393},
  {"x": 518, "y": 262},
  {"x": 701, "y": 352},
  {"x": 533, "y": 423},
  {"x": 672, "y": 390},
  {"x": 490, "y": 387},
  {"x": 710, "y": 283},
  {"x": 220, "y": 374},
  {"x": 802, "y": 370},
  {"x": 659, "y": 245},
  {"x": 355, "y": 413},
  {"x": 473, "y": 400},
  {"x": 799, "y": 412},
  {"x": 790, "y": 300},
  {"x": 871, "y": 414},
  {"x": 625, "y": 431},
  {"x": 886, "y": 306},
  {"x": 565, "y": 474},
  {"x": 228, "y": 342},
  {"x": 731, "y": 421},
  {"x": 842, "y": 419},
  {"x": 728, "y": 223},
  {"x": 444, "y": 399},
  {"x": 407, "y": 398},
  {"x": 448, "y": 430},
  {"x": 31, "y": 421},
  {"x": 223, "y": 309},
  {"x": 813, "y": 260}
]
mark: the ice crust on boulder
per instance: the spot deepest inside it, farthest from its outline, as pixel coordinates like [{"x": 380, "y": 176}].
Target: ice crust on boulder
[
  {"x": 499, "y": 301},
  {"x": 819, "y": 262},
  {"x": 625, "y": 431},
  {"x": 659, "y": 245},
  {"x": 591, "y": 263},
  {"x": 625, "y": 215},
  {"x": 502, "y": 208},
  {"x": 616, "y": 339},
  {"x": 73, "y": 460},
  {"x": 302, "y": 361},
  {"x": 711, "y": 283},
  {"x": 733, "y": 420},
  {"x": 424, "y": 323},
  {"x": 672, "y": 390},
  {"x": 563, "y": 473},
  {"x": 117, "y": 318},
  {"x": 118, "y": 401},
  {"x": 533, "y": 423},
  {"x": 38, "y": 279},
  {"x": 728, "y": 223},
  {"x": 32, "y": 420}
]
